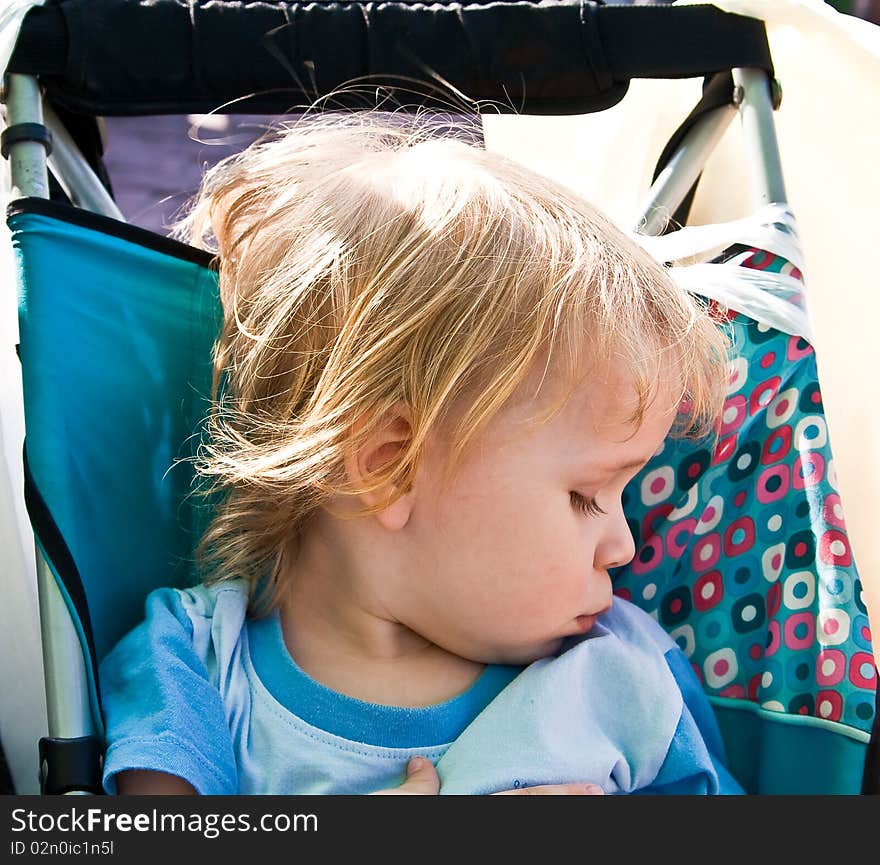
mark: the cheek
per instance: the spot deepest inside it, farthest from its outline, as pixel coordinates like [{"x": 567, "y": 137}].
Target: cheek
[
  {"x": 501, "y": 524},
  {"x": 517, "y": 545}
]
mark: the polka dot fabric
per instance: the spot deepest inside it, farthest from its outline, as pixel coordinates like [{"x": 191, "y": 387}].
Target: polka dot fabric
[{"x": 741, "y": 550}]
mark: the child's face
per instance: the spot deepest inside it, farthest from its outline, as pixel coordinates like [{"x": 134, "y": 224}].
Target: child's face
[{"x": 507, "y": 560}]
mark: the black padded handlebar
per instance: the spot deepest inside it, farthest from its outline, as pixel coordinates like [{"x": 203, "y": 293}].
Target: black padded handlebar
[{"x": 130, "y": 57}]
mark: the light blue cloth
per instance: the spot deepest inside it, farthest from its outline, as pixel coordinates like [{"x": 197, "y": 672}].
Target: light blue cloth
[{"x": 201, "y": 692}]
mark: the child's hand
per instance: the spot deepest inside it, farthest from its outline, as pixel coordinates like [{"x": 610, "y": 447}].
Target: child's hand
[{"x": 422, "y": 780}]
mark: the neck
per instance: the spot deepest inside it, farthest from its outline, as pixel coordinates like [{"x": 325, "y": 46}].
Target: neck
[{"x": 343, "y": 636}]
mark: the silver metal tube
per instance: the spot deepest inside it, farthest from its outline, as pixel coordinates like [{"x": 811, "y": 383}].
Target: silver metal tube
[
  {"x": 74, "y": 173},
  {"x": 679, "y": 175},
  {"x": 759, "y": 132},
  {"x": 27, "y": 159},
  {"x": 68, "y": 702}
]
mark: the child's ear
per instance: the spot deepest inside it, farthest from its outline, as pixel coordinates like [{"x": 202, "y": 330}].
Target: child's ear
[{"x": 386, "y": 445}]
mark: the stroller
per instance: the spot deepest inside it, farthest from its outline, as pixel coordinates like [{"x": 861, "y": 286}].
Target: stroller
[{"x": 742, "y": 552}]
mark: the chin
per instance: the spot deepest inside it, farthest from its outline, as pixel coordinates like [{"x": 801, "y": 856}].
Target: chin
[
  {"x": 525, "y": 656},
  {"x": 584, "y": 624}
]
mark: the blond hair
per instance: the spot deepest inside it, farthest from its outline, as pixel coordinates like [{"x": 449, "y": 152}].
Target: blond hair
[{"x": 366, "y": 264}]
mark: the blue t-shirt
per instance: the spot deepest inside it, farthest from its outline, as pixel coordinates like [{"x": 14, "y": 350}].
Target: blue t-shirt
[{"x": 199, "y": 691}]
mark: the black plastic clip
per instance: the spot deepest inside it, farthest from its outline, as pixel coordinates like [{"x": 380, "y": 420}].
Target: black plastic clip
[
  {"x": 775, "y": 93},
  {"x": 25, "y": 132},
  {"x": 71, "y": 765}
]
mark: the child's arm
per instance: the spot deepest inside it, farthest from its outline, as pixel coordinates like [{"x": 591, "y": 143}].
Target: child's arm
[
  {"x": 139, "y": 782},
  {"x": 163, "y": 716}
]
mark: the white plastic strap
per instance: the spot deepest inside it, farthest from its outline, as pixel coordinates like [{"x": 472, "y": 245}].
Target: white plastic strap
[{"x": 775, "y": 299}]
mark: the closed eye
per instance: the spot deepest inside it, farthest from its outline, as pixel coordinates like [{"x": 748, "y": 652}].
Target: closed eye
[{"x": 588, "y": 507}]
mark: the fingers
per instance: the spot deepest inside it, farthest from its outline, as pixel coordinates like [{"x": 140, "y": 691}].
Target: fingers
[
  {"x": 555, "y": 790},
  {"x": 421, "y": 780}
]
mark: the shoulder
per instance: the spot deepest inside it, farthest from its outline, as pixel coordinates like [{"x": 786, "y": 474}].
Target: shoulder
[
  {"x": 225, "y": 601},
  {"x": 199, "y": 625},
  {"x": 626, "y": 650},
  {"x": 178, "y": 620},
  {"x": 628, "y": 624},
  {"x": 213, "y": 617}
]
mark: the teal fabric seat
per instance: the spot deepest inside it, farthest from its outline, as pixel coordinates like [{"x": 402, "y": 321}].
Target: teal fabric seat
[{"x": 116, "y": 328}]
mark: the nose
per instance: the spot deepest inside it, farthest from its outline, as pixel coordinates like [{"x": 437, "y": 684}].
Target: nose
[{"x": 616, "y": 547}]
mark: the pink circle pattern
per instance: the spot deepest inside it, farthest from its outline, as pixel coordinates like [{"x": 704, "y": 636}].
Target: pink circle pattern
[{"x": 776, "y": 571}]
